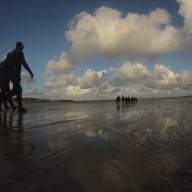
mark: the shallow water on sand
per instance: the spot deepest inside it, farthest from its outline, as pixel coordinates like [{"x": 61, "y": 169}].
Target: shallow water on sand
[{"x": 98, "y": 146}]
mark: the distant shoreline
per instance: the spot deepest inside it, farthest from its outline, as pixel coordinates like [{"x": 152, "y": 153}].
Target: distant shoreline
[{"x": 38, "y": 100}]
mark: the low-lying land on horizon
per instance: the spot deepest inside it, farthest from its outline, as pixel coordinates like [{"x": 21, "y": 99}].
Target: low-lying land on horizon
[{"x": 33, "y": 99}]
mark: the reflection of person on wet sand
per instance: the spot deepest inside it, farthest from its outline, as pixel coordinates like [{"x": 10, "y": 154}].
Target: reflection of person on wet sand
[
  {"x": 12, "y": 164},
  {"x": 11, "y": 122}
]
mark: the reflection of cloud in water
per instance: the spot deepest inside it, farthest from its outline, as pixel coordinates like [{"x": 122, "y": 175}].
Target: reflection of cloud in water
[
  {"x": 167, "y": 123},
  {"x": 101, "y": 148},
  {"x": 90, "y": 133}
]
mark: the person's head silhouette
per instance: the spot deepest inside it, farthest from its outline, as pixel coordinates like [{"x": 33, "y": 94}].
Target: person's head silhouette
[{"x": 19, "y": 45}]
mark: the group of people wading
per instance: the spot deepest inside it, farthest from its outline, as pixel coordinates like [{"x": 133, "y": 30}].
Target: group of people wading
[
  {"x": 10, "y": 71},
  {"x": 126, "y": 100}
]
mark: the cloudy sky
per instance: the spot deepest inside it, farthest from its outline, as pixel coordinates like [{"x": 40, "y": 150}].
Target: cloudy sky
[{"x": 86, "y": 50}]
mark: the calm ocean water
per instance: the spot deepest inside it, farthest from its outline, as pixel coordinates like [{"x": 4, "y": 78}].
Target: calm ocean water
[{"x": 98, "y": 146}]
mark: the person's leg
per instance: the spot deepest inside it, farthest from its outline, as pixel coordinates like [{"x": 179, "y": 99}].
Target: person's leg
[
  {"x": 19, "y": 96},
  {"x": 13, "y": 91},
  {"x": 2, "y": 96},
  {"x": 5, "y": 97},
  {"x": 0, "y": 100},
  {"x": 1, "y": 87},
  {"x": 18, "y": 90},
  {"x": 11, "y": 103},
  {"x": 8, "y": 97},
  {"x": 5, "y": 104}
]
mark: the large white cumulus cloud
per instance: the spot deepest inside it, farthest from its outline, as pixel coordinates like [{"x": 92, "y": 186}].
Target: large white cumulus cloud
[
  {"x": 110, "y": 34},
  {"x": 161, "y": 78},
  {"x": 185, "y": 11},
  {"x": 94, "y": 84},
  {"x": 93, "y": 78}
]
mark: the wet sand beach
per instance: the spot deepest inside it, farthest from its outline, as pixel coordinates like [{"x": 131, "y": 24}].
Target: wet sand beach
[{"x": 98, "y": 146}]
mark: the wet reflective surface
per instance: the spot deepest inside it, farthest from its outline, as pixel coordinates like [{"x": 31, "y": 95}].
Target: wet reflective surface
[{"x": 98, "y": 146}]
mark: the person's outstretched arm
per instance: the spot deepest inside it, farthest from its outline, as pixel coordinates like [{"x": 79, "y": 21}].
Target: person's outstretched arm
[{"x": 26, "y": 66}]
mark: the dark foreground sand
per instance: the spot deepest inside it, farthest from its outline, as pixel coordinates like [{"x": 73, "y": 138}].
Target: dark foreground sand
[{"x": 98, "y": 146}]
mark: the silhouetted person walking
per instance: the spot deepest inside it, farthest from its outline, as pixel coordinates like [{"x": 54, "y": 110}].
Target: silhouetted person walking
[
  {"x": 4, "y": 86},
  {"x": 15, "y": 60},
  {"x": 118, "y": 99}
]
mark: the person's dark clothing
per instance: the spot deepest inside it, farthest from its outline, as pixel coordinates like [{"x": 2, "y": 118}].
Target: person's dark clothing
[
  {"x": 15, "y": 60},
  {"x": 4, "y": 86}
]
